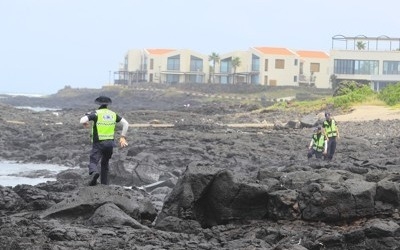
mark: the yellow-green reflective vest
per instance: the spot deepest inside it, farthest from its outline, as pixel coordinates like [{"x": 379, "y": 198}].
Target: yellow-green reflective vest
[
  {"x": 319, "y": 143},
  {"x": 106, "y": 120},
  {"x": 330, "y": 130}
]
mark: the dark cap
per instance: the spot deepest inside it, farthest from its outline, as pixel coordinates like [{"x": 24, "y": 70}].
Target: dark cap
[
  {"x": 317, "y": 129},
  {"x": 103, "y": 100},
  {"x": 327, "y": 114}
]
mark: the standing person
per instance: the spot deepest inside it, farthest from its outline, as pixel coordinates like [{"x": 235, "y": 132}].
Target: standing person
[
  {"x": 102, "y": 136},
  {"x": 332, "y": 132},
  {"x": 318, "y": 144}
]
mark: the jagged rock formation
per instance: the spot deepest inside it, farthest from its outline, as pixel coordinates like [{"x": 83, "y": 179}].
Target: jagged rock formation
[{"x": 202, "y": 185}]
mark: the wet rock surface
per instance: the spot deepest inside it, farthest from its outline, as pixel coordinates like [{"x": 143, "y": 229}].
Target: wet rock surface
[{"x": 200, "y": 184}]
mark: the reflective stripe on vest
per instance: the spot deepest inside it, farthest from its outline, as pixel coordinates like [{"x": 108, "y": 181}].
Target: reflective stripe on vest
[
  {"x": 330, "y": 130},
  {"x": 319, "y": 143},
  {"x": 106, "y": 120}
]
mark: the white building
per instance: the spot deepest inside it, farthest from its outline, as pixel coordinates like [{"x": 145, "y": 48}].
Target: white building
[{"x": 374, "y": 60}]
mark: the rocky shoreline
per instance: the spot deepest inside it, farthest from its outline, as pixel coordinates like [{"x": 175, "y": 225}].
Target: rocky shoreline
[{"x": 201, "y": 184}]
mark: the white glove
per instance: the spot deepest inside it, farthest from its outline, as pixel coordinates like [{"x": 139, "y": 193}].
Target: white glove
[{"x": 122, "y": 142}]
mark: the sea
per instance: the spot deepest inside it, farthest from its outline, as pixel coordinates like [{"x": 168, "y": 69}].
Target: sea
[{"x": 13, "y": 173}]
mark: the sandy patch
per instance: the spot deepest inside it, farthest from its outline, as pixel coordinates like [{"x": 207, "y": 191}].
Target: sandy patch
[{"x": 368, "y": 113}]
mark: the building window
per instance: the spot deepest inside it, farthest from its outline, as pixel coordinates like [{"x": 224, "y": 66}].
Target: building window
[
  {"x": 266, "y": 65},
  {"x": 255, "y": 63},
  {"x": 279, "y": 64},
  {"x": 255, "y": 79},
  {"x": 301, "y": 68},
  {"x": 224, "y": 79},
  {"x": 266, "y": 80},
  {"x": 195, "y": 78},
  {"x": 272, "y": 82},
  {"x": 356, "y": 67},
  {"x": 295, "y": 79},
  {"x": 143, "y": 64},
  {"x": 196, "y": 64},
  {"x": 296, "y": 61},
  {"x": 314, "y": 67},
  {"x": 174, "y": 62},
  {"x": 343, "y": 67},
  {"x": 151, "y": 63},
  {"x": 171, "y": 78},
  {"x": 365, "y": 67},
  {"x": 225, "y": 65},
  {"x": 391, "y": 67}
]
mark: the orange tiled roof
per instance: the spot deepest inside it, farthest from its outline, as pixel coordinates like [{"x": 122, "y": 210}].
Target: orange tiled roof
[
  {"x": 159, "y": 51},
  {"x": 312, "y": 54},
  {"x": 274, "y": 51}
]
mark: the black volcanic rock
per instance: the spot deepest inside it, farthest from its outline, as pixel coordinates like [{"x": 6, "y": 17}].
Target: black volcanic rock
[{"x": 199, "y": 184}]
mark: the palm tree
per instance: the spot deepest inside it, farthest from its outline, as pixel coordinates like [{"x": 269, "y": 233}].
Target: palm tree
[
  {"x": 235, "y": 63},
  {"x": 214, "y": 57},
  {"x": 210, "y": 69},
  {"x": 360, "y": 45}
]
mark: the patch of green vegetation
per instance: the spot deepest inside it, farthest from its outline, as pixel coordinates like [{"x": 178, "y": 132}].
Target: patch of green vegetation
[
  {"x": 391, "y": 94},
  {"x": 346, "y": 87},
  {"x": 351, "y": 96},
  {"x": 303, "y": 106}
]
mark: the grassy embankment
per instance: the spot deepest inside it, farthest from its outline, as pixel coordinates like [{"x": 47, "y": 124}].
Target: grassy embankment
[
  {"x": 347, "y": 97},
  {"x": 345, "y": 100}
]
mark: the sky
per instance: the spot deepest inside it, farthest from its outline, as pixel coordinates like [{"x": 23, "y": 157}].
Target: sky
[{"x": 49, "y": 44}]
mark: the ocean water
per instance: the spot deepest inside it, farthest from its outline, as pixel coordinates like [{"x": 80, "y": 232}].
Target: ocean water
[
  {"x": 23, "y": 94},
  {"x": 8, "y": 170},
  {"x": 37, "y": 109}
]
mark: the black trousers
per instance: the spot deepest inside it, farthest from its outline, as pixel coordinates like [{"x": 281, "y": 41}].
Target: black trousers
[
  {"x": 101, "y": 152},
  {"x": 312, "y": 152},
  {"x": 331, "y": 148}
]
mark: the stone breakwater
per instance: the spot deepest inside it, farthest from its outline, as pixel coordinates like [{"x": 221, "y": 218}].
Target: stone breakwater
[{"x": 202, "y": 185}]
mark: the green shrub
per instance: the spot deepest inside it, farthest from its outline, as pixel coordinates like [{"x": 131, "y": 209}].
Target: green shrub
[
  {"x": 347, "y": 87},
  {"x": 390, "y": 94},
  {"x": 351, "y": 96}
]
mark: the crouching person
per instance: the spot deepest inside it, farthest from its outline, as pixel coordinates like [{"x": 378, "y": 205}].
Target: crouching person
[{"x": 318, "y": 145}]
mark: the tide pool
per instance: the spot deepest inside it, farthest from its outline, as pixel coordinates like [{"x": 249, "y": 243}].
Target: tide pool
[{"x": 12, "y": 174}]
